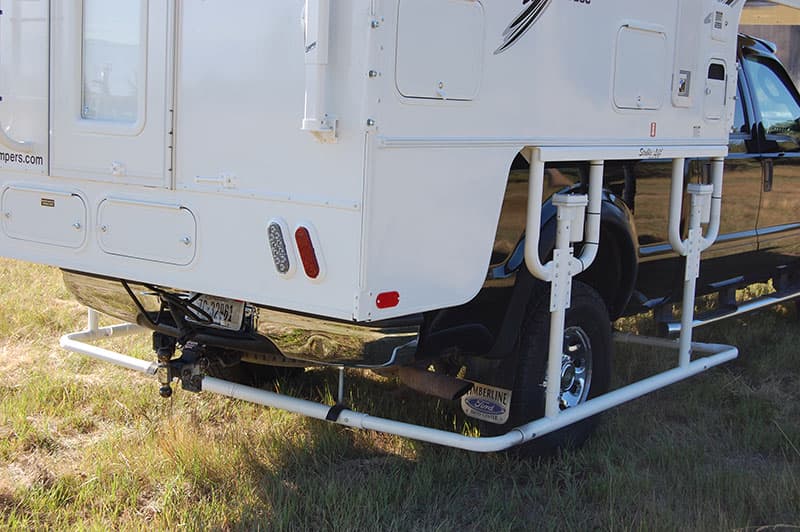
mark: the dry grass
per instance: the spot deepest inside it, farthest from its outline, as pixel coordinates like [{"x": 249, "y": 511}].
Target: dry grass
[{"x": 84, "y": 445}]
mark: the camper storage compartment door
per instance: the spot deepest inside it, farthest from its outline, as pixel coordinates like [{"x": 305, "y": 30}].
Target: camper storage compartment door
[
  {"x": 24, "y": 83},
  {"x": 164, "y": 233},
  {"x": 46, "y": 216},
  {"x": 112, "y": 90},
  {"x": 439, "y": 49},
  {"x": 640, "y": 80}
]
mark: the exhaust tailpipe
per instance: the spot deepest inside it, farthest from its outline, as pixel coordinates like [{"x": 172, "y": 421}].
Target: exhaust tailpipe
[{"x": 435, "y": 384}]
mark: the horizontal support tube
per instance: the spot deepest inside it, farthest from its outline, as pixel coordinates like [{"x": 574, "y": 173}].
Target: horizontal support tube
[
  {"x": 76, "y": 342},
  {"x": 742, "y": 308},
  {"x": 357, "y": 420},
  {"x": 627, "y": 393},
  {"x": 514, "y": 437}
]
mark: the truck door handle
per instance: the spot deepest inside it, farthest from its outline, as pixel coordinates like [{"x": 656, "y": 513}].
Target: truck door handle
[
  {"x": 8, "y": 141},
  {"x": 768, "y": 173}
]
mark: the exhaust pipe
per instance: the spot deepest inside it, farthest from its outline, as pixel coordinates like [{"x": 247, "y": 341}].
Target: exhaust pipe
[{"x": 435, "y": 384}]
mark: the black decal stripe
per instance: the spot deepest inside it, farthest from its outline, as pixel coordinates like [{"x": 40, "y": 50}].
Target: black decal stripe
[
  {"x": 523, "y": 14},
  {"x": 522, "y": 23},
  {"x": 527, "y": 16}
]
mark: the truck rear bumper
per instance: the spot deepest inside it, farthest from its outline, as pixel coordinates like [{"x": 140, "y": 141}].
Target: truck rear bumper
[{"x": 270, "y": 336}]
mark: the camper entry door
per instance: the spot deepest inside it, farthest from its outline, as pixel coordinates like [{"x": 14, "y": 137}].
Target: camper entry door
[
  {"x": 24, "y": 41},
  {"x": 111, "y": 90}
]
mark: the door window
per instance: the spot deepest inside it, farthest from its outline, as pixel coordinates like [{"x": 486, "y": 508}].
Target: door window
[{"x": 112, "y": 60}]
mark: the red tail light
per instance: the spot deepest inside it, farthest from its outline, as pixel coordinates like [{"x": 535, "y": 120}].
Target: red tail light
[{"x": 305, "y": 247}]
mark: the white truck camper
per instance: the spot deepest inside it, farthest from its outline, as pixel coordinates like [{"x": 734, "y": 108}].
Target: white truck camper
[{"x": 310, "y": 182}]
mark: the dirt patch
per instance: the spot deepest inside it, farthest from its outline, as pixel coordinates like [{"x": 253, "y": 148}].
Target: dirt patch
[
  {"x": 33, "y": 469},
  {"x": 14, "y": 358}
]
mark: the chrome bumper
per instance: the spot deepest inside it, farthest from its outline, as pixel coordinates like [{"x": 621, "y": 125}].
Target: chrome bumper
[{"x": 290, "y": 339}]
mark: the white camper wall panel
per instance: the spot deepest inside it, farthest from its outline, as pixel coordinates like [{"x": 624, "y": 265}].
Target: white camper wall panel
[
  {"x": 238, "y": 126},
  {"x": 249, "y": 123},
  {"x": 687, "y": 73},
  {"x": 553, "y": 87},
  {"x": 232, "y": 257},
  {"x": 430, "y": 246},
  {"x": 24, "y": 85}
]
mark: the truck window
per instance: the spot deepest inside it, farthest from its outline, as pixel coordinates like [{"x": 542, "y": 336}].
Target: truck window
[
  {"x": 774, "y": 95},
  {"x": 112, "y": 60}
]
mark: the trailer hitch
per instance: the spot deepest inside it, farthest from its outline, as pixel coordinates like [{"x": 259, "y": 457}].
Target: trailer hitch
[{"x": 189, "y": 368}]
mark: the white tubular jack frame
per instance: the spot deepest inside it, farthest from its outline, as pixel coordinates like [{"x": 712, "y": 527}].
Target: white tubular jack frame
[
  {"x": 78, "y": 343},
  {"x": 718, "y": 354},
  {"x": 706, "y": 208},
  {"x": 574, "y": 224}
]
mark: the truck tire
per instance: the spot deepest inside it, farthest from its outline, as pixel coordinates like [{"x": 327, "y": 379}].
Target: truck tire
[{"x": 586, "y": 366}]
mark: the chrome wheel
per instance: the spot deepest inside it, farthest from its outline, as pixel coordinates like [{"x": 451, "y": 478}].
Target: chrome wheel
[
  {"x": 576, "y": 368},
  {"x": 584, "y": 372}
]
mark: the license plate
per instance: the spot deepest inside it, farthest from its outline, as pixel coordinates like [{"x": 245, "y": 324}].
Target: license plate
[{"x": 225, "y": 313}]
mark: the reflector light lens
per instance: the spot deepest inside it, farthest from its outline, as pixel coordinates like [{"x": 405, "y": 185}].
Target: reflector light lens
[
  {"x": 278, "y": 247},
  {"x": 305, "y": 246},
  {"x": 387, "y": 300}
]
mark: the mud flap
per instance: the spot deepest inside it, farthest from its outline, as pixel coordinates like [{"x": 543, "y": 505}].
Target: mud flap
[{"x": 487, "y": 403}]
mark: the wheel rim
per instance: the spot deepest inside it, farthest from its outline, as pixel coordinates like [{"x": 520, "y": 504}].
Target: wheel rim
[{"x": 576, "y": 368}]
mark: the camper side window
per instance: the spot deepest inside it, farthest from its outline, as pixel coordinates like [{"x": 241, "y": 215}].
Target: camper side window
[{"x": 113, "y": 60}]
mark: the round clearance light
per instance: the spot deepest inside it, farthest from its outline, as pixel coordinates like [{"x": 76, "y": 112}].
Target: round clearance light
[{"x": 308, "y": 256}]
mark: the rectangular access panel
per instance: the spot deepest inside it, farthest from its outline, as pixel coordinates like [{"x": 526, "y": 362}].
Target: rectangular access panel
[{"x": 111, "y": 98}]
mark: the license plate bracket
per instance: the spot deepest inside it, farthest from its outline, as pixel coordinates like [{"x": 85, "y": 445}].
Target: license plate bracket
[{"x": 227, "y": 314}]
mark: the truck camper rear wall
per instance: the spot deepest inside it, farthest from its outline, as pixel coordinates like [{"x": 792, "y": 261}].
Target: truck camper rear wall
[{"x": 345, "y": 159}]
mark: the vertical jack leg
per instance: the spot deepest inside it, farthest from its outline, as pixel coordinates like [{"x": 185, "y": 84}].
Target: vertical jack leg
[{"x": 164, "y": 346}]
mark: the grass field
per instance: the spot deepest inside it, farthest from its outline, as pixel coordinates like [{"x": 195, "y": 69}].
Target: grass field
[{"x": 84, "y": 445}]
